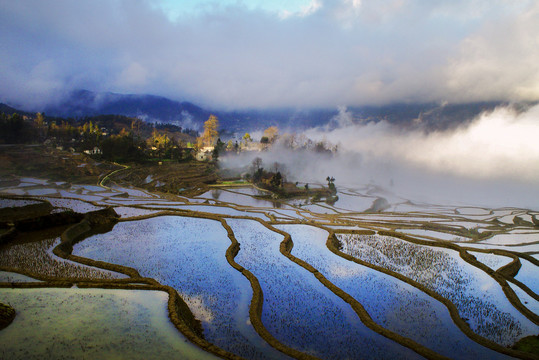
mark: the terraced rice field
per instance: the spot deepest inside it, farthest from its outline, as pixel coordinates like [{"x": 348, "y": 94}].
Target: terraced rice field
[{"x": 266, "y": 280}]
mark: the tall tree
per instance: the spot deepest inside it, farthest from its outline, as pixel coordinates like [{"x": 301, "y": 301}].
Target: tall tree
[
  {"x": 39, "y": 123},
  {"x": 39, "y": 120},
  {"x": 210, "y": 134}
]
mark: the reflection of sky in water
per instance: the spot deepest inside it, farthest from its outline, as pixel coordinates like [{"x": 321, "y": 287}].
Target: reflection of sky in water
[
  {"x": 42, "y": 191},
  {"x": 513, "y": 239},
  {"x": 73, "y": 204},
  {"x": 199, "y": 309},
  {"x": 126, "y": 212},
  {"x": 92, "y": 188},
  {"x": 343, "y": 271},
  {"x": 34, "y": 181},
  {"x": 232, "y": 196},
  {"x": 528, "y": 274},
  {"x": 298, "y": 310},
  {"x": 189, "y": 255},
  {"x": 92, "y": 323},
  {"x": 5, "y": 203},
  {"x": 13, "y": 191},
  {"x": 491, "y": 260},
  {"x": 525, "y": 248},
  {"x": 14, "y": 277},
  {"x": 488, "y": 311},
  {"x": 354, "y": 202},
  {"x": 433, "y": 234},
  {"x": 527, "y": 300},
  {"x": 391, "y": 303}
]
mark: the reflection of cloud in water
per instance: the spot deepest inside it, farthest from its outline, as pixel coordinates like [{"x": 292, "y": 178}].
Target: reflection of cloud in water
[
  {"x": 344, "y": 271},
  {"x": 486, "y": 286},
  {"x": 199, "y": 309}
]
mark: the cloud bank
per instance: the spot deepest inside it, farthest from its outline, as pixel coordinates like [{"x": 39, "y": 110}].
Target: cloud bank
[
  {"x": 352, "y": 52},
  {"x": 491, "y": 161},
  {"x": 502, "y": 143}
]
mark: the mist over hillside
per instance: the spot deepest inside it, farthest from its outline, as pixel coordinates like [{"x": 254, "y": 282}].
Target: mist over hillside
[
  {"x": 151, "y": 108},
  {"x": 491, "y": 159}
]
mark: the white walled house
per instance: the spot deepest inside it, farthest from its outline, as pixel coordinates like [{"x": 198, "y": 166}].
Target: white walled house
[{"x": 205, "y": 153}]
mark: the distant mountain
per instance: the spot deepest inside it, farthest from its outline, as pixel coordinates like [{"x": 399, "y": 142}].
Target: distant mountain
[
  {"x": 83, "y": 103},
  {"x": 285, "y": 119},
  {"x": 8, "y": 110},
  {"x": 430, "y": 116},
  {"x": 151, "y": 108}
]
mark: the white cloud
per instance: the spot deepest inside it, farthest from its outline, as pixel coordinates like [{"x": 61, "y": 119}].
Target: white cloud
[
  {"x": 331, "y": 52},
  {"x": 133, "y": 76},
  {"x": 499, "y": 61},
  {"x": 309, "y": 9},
  {"x": 501, "y": 144}
]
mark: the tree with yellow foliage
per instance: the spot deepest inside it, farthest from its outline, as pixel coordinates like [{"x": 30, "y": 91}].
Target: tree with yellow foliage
[
  {"x": 211, "y": 133},
  {"x": 39, "y": 123},
  {"x": 271, "y": 133},
  {"x": 159, "y": 142}
]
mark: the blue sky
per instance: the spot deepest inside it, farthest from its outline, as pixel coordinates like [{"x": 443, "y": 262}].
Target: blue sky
[
  {"x": 182, "y": 8},
  {"x": 265, "y": 54}
]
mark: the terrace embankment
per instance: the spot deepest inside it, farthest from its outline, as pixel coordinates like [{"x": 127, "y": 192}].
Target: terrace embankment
[
  {"x": 93, "y": 222},
  {"x": 7, "y": 314},
  {"x": 31, "y": 217},
  {"x": 34, "y": 209},
  {"x": 529, "y": 344},
  {"x": 191, "y": 177},
  {"x": 49, "y": 163}
]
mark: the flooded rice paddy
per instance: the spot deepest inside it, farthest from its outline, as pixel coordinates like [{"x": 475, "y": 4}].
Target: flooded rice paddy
[
  {"x": 273, "y": 279},
  {"x": 36, "y": 258},
  {"x": 189, "y": 255},
  {"x": 54, "y": 323},
  {"x": 298, "y": 310},
  {"x": 487, "y": 311}
]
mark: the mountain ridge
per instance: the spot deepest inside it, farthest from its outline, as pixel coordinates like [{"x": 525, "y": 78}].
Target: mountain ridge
[{"x": 153, "y": 108}]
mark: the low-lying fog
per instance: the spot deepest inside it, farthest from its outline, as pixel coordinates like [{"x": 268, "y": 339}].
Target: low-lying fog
[{"x": 493, "y": 161}]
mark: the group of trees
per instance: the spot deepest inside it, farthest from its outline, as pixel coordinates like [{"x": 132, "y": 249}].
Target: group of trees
[
  {"x": 122, "y": 138},
  {"x": 160, "y": 145},
  {"x": 300, "y": 142},
  {"x": 18, "y": 129},
  {"x": 275, "y": 181},
  {"x": 272, "y": 137},
  {"x": 122, "y": 147},
  {"x": 118, "y": 138},
  {"x": 271, "y": 180}
]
